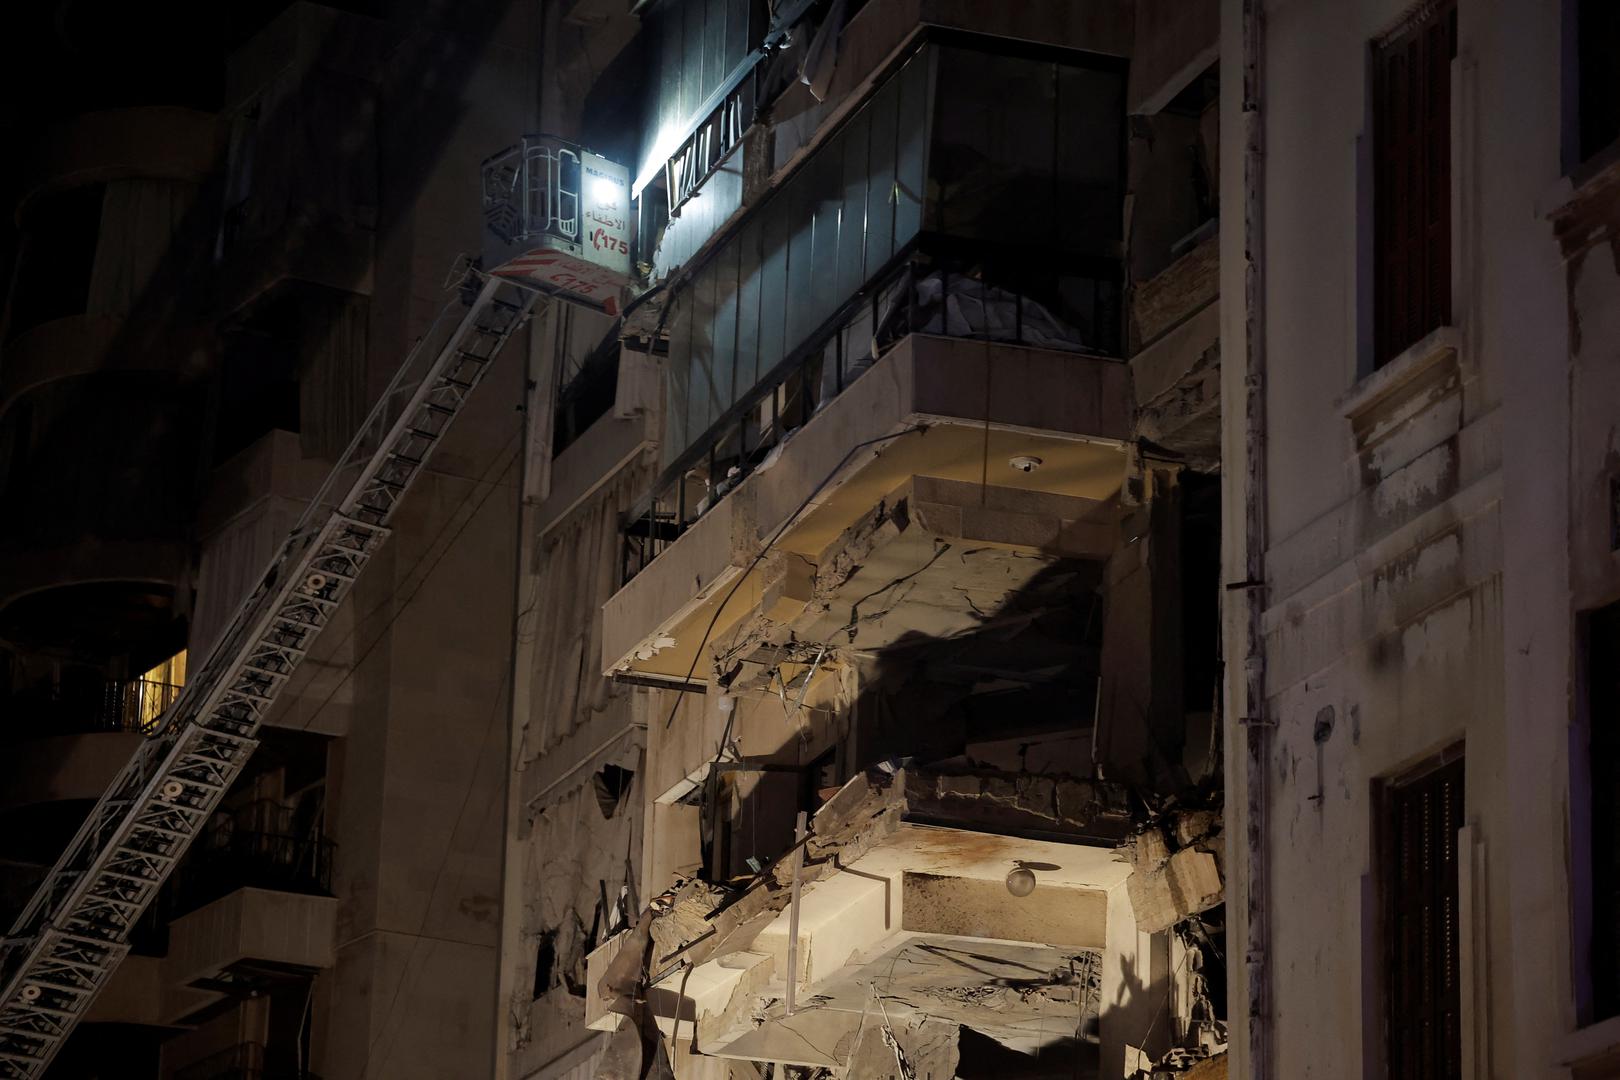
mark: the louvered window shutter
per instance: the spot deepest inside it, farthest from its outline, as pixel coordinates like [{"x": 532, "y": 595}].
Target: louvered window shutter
[
  {"x": 1412, "y": 178},
  {"x": 1420, "y": 875}
]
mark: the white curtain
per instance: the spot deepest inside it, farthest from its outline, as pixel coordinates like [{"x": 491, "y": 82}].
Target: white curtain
[
  {"x": 232, "y": 560},
  {"x": 332, "y": 371},
  {"x": 139, "y": 221}
]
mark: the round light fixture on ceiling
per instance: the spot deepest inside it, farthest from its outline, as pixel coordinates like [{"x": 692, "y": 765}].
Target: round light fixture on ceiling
[
  {"x": 1021, "y": 881},
  {"x": 1025, "y": 462}
]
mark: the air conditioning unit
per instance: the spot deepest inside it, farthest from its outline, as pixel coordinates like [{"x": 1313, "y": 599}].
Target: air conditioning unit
[{"x": 557, "y": 220}]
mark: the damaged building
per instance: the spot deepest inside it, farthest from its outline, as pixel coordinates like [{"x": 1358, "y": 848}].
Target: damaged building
[
  {"x": 1056, "y": 538},
  {"x": 867, "y": 715}
]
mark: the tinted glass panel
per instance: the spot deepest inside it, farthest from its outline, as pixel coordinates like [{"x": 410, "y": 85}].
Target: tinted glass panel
[
  {"x": 996, "y": 172},
  {"x": 852, "y": 229}
]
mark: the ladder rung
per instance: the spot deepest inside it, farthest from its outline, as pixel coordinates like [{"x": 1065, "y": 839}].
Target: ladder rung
[
  {"x": 47, "y": 1011},
  {"x": 121, "y": 876},
  {"x": 120, "y": 901},
  {"x": 206, "y": 785},
  {"x": 415, "y": 463},
  {"x": 84, "y": 942},
  {"x": 149, "y": 860},
  {"x": 240, "y": 742}
]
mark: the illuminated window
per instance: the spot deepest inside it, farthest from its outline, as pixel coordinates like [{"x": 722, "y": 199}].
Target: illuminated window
[{"x": 155, "y": 691}]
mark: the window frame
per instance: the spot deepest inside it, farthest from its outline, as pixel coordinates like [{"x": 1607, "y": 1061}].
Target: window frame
[
  {"x": 1426, "y": 296},
  {"x": 1389, "y": 875}
]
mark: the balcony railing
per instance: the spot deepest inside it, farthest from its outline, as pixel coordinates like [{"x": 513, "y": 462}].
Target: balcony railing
[
  {"x": 89, "y": 706},
  {"x": 258, "y": 846},
  {"x": 245, "y": 1061},
  {"x": 137, "y": 704},
  {"x": 936, "y": 286}
]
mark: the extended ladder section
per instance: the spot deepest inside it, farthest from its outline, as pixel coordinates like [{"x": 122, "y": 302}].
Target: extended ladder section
[{"x": 75, "y": 930}]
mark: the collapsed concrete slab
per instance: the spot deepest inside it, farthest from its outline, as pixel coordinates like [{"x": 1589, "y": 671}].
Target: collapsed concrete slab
[{"x": 911, "y": 915}]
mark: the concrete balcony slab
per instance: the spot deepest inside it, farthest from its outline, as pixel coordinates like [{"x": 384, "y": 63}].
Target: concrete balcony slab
[{"x": 1007, "y": 448}]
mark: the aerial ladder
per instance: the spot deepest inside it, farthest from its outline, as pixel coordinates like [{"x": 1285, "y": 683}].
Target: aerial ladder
[{"x": 68, "y": 941}]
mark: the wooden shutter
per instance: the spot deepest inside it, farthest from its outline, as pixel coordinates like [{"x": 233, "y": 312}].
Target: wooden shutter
[
  {"x": 1412, "y": 178},
  {"x": 1420, "y": 885}
]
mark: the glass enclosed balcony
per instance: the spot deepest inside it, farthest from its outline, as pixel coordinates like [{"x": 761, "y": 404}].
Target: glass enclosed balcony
[{"x": 975, "y": 194}]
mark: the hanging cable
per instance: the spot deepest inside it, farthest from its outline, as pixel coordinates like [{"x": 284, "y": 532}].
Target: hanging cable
[{"x": 763, "y": 551}]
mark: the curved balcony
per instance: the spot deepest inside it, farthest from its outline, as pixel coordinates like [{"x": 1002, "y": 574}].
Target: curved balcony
[
  {"x": 77, "y": 345},
  {"x": 171, "y": 143},
  {"x": 98, "y": 421},
  {"x": 96, "y": 495}
]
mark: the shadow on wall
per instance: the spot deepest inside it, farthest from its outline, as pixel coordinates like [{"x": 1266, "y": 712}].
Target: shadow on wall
[{"x": 1089, "y": 670}]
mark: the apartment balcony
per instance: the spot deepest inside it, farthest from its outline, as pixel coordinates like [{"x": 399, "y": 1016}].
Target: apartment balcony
[
  {"x": 62, "y": 740},
  {"x": 92, "y": 706},
  {"x": 249, "y": 909},
  {"x": 301, "y": 188},
  {"x": 699, "y": 144},
  {"x": 934, "y": 258},
  {"x": 114, "y": 143},
  {"x": 94, "y": 405},
  {"x": 240, "y": 945},
  {"x": 939, "y": 441},
  {"x": 255, "y": 847}
]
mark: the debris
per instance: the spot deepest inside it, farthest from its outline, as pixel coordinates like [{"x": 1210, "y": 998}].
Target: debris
[
  {"x": 1177, "y": 1064},
  {"x": 1168, "y": 884},
  {"x": 1194, "y": 825}
]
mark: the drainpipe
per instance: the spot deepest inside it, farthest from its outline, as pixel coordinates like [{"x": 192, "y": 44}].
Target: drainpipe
[{"x": 1257, "y": 724}]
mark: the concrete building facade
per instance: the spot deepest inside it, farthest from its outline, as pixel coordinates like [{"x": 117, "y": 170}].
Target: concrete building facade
[
  {"x": 1419, "y": 507},
  {"x": 1057, "y": 467},
  {"x": 206, "y": 301},
  {"x": 865, "y": 690}
]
